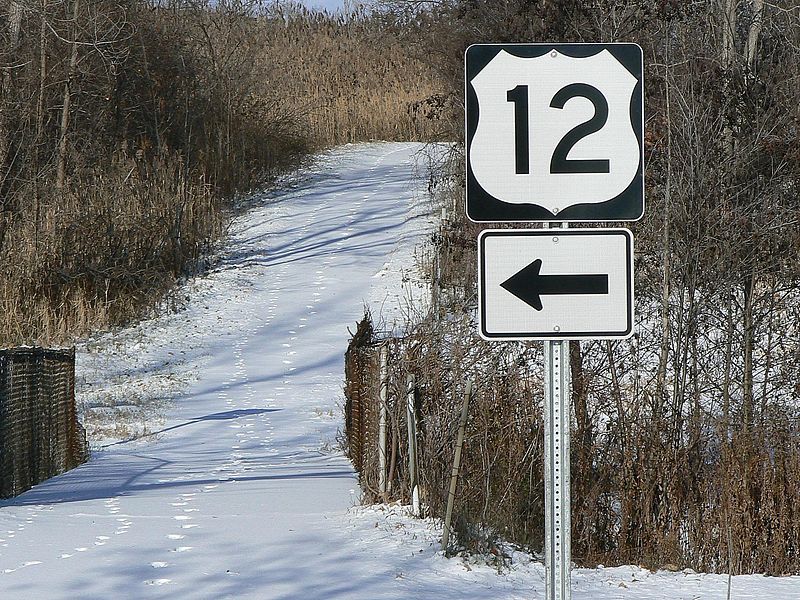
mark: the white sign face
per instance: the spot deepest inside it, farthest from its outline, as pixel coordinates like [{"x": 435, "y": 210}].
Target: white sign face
[
  {"x": 555, "y": 284},
  {"x": 554, "y": 132}
]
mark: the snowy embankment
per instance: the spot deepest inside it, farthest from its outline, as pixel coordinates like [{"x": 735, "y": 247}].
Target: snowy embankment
[{"x": 233, "y": 487}]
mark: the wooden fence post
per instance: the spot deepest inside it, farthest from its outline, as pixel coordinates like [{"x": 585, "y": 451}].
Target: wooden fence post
[{"x": 451, "y": 495}]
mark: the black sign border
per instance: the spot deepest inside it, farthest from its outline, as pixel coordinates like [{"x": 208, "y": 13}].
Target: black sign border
[{"x": 482, "y": 207}]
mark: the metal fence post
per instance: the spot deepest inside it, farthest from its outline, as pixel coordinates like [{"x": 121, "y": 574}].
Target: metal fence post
[
  {"x": 411, "y": 419},
  {"x": 384, "y": 374}
]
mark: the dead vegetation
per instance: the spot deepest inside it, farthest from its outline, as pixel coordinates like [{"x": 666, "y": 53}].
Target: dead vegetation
[
  {"x": 685, "y": 446},
  {"x": 126, "y": 129}
]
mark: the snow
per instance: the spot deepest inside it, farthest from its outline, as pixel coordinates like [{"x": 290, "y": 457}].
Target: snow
[{"x": 230, "y": 483}]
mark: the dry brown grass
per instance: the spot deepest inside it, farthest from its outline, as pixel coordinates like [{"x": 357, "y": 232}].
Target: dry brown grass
[
  {"x": 97, "y": 253},
  {"x": 349, "y": 80}
]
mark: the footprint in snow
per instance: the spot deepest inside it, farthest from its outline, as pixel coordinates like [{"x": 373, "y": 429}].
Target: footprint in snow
[{"x": 30, "y": 563}]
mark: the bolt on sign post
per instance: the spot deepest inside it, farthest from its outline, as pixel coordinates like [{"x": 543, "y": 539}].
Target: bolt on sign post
[{"x": 555, "y": 134}]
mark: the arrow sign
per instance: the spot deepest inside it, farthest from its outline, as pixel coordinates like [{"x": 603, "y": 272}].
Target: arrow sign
[
  {"x": 555, "y": 284},
  {"x": 528, "y": 285}
]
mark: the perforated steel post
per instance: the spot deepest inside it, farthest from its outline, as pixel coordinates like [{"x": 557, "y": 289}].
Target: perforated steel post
[{"x": 557, "y": 551}]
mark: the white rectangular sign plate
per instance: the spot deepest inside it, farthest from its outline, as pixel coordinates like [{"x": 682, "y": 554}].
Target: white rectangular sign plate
[{"x": 555, "y": 284}]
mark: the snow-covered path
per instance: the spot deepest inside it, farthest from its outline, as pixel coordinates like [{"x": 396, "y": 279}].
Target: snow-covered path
[
  {"x": 237, "y": 490},
  {"x": 231, "y": 497}
]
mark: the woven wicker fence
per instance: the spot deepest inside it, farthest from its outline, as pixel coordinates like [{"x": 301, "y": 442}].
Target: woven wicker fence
[
  {"x": 362, "y": 410},
  {"x": 39, "y": 431},
  {"x": 500, "y": 485}
]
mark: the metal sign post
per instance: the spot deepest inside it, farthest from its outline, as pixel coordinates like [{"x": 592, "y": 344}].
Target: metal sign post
[{"x": 558, "y": 553}]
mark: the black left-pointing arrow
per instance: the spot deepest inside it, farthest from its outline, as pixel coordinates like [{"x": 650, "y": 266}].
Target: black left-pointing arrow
[{"x": 529, "y": 285}]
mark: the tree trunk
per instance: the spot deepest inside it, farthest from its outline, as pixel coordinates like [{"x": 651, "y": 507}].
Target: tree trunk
[
  {"x": 14, "y": 27},
  {"x": 39, "y": 117},
  {"x": 663, "y": 354},
  {"x": 749, "y": 341},
  {"x": 580, "y": 395},
  {"x": 754, "y": 33},
  {"x": 768, "y": 355},
  {"x": 728, "y": 19},
  {"x": 728, "y": 32},
  {"x": 73, "y": 65},
  {"x": 750, "y": 279},
  {"x": 726, "y": 384},
  {"x": 15, "y": 11}
]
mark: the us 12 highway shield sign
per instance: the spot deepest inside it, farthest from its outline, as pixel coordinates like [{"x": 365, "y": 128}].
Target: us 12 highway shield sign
[{"x": 554, "y": 132}]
